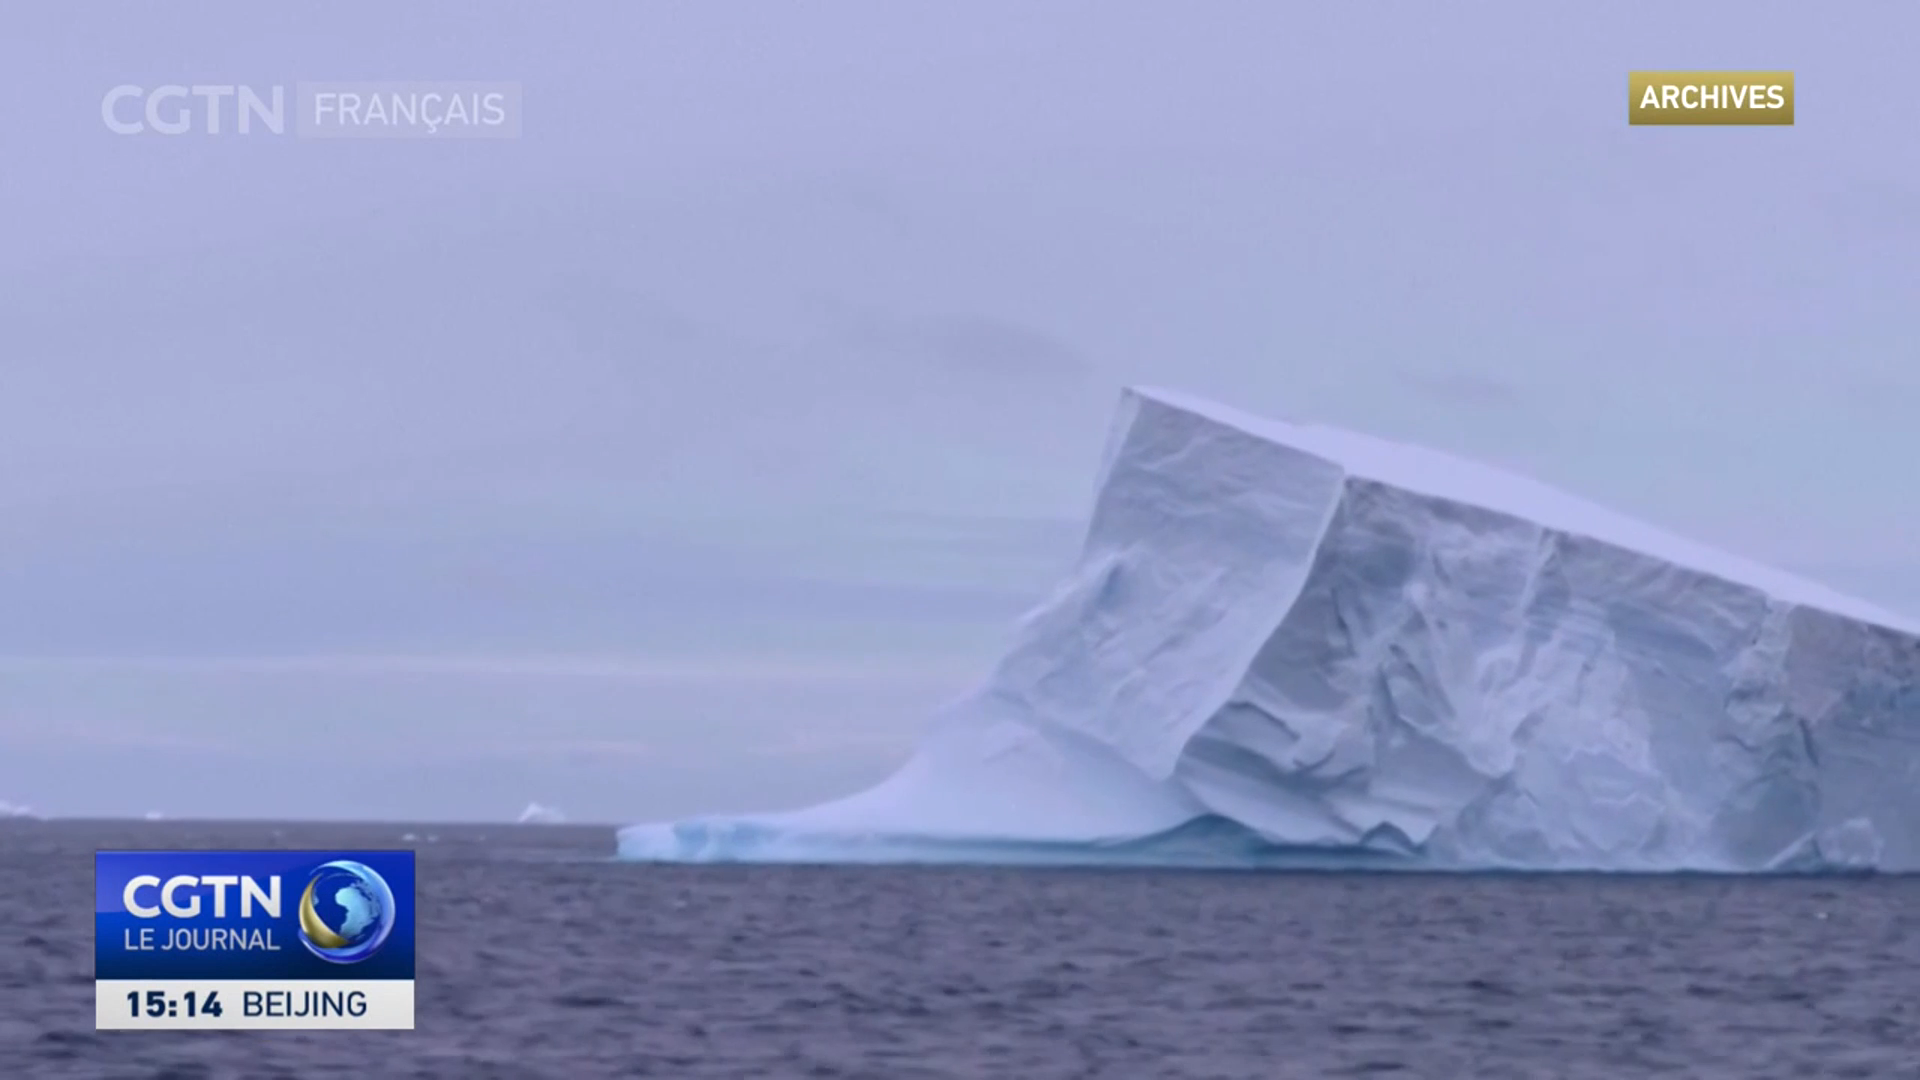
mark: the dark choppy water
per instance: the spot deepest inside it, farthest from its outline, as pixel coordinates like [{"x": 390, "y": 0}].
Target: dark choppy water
[{"x": 537, "y": 960}]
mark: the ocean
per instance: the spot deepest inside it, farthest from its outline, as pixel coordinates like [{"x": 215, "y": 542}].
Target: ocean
[{"x": 540, "y": 957}]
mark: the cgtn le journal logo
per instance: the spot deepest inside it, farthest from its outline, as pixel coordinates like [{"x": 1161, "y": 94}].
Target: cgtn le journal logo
[{"x": 253, "y": 939}]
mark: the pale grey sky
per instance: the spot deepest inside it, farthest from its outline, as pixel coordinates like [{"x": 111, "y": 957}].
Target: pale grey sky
[{"x": 682, "y": 453}]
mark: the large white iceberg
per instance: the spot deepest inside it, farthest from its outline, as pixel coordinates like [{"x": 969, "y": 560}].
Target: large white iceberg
[{"x": 1294, "y": 645}]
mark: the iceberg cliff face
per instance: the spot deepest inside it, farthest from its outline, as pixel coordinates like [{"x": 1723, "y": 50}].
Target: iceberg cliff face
[{"x": 1292, "y": 645}]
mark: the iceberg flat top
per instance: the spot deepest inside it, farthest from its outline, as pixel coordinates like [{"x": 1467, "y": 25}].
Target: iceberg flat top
[{"x": 1433, "y": 472}]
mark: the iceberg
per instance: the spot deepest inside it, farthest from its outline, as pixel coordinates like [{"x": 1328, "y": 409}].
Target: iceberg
[
  {"x": 17, "y": 810},
  {"x": 1291, "y": 645},
  {"x": 536, "y": 814}
]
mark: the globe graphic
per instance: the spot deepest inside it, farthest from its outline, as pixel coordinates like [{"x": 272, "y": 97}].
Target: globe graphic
[{"x": 354, "y": 909}]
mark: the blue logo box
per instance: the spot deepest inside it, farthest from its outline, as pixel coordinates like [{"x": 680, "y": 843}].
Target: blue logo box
[{"x": 253, "y": 915}]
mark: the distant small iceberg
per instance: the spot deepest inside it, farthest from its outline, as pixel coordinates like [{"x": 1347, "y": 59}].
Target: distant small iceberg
[
  {"x": 19, "y": 810},
  {"x": 536, "y": 814},
  {"x": 154, "y": 815}
]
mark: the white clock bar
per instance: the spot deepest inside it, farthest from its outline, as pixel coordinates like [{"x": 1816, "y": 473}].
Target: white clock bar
[{"x": 216, "y": 1004}]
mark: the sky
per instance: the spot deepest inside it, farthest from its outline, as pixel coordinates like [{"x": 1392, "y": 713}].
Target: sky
[{"x": 683, "y": 453}]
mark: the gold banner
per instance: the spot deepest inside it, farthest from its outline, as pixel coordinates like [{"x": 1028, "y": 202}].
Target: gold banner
[{"x": 1710, "y": 97}]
